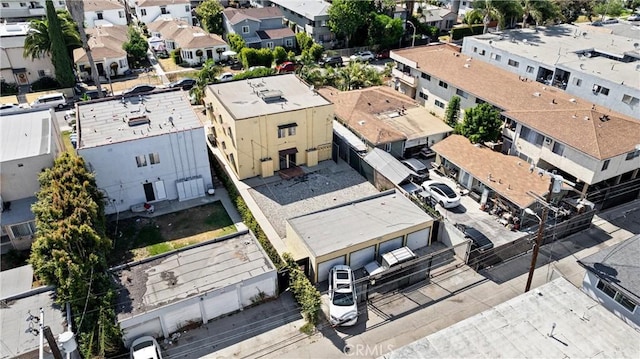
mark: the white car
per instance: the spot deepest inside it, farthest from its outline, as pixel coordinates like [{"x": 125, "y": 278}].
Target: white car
[
  {"x": 633, "y": 17},
  {"x": 362, "y": 56},
  {"x": 442, "y": 194},
  {"x": 227, "y": 76},
  {"x": 145, "y": 348},
  {"x": 10, "y": 107},
  {"x": 343, "y": 309}
]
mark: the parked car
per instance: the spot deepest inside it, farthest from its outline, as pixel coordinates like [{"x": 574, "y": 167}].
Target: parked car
[
  {"x": 185, "y": 84},
  {"x": 362, "y": 56},
  {"x": 384, "y": 54},
  {"x": 418, "y": 167},
  {"x": 285, "y": 67},
  {"x": 139, "y": 90},
  {"x": 57, "y": 100},
  {"x": 478, "y": 240},
  {"x": 389, "y": 260},
  {"x": 633, "y": 17},
  {"x": 224, "y": 77},
  {"x": 335, "y": 61},
  {"x": 145, "y": 348},
  {"x": 442, "y": 194},
  {"x": 426, "y": 152},
  {"x": 9, "y": 107},
  {"x": 343, "y": 307}
]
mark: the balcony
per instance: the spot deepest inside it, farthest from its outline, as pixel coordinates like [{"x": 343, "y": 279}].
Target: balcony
[
  {"x": 405, "y": 77},
  {"x": 37, "y": 11}
]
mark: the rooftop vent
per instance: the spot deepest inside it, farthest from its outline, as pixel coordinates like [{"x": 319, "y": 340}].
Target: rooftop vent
[
  {"x": 604, "y": 118},
  {"x": 270, "y": 95},
  {"x": 536, "y": 94},
  {"x": 138, "y": 120}
]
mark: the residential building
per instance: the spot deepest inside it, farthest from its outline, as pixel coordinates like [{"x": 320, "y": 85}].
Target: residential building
[
  {"x": 556, "y": 320},
  {"x": 195, "y": 284},
  {"x": 613, "y": 279},
  {"x": 310, "y": 17},
  {"x": 583, "y": 60},
  {"x": 356, "y": 234},
  {"x": 104, "y": 12},
  {"x": 22, "y": 10},
  {"x": 259, "y": 27},
  {"x": 442, "y": 18},
  {"x": 544, "y": 126},
  {"x": 196, "y": 45},
  {"x": 158, "y": 141},
  {"x": 14, "y": 68},
  {"x": 385, "y": 119},
  {"x": 30, "y": 142},
  {"x": 105, "y": 42},
  {"x": 269, "y": 124},
  {"x": 149, "y": 11}
]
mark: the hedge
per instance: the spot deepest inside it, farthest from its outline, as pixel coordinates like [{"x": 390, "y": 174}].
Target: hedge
[
  {"x": 306, "y": 294},
  {"x": 458, "y": 33}
]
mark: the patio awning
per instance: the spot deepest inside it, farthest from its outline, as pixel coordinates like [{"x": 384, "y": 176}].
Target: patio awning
[{"x": 388, "y": 166}]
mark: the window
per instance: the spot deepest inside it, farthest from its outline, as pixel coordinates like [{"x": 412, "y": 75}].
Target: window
[
  {"x": 141, "y": 161},
  {"x": 289, "y": 128},
  {"x": 443, "y": 84},
  {"x": 479, "y": 101},
  {"x": 123, "y": 63},
  {"x": 387, "y": 147},
  {"x": 245, "y": 29},
  {"x": 531, "y": 136},
  {"x": 425, "y": 76},
  {"x": 529, "y": 69},
  {"x": 439, "y": 104},
  {"x": 558, "y": 148},
  {"x": 163, "y": 10},
  {"x": 462, "y": 93},
  {"x": 288, "y": 43},
  {"x": 281, "y": 132},
  {"x": 100, "y": 15},
  {"x": 600, "y": 89},
  {"x": 605, "y": 165},
  {"x": 270, "y": 45},
  {"x": 187, "y": 55},
  {"x": 187, "y": 8},
  {"x": 61, "y": 3},
  {"x": 577, "y": 81},
  {"x": 495, "y": 57},
  {"x": 513, "y": 63},
  {"x": 292, "y": 131},
  {"x": 23, "y": 4},
  {"x": 121, "y": 14},
  {"x": 143, "y": 12},
  {"x": 630, "y": 100},
  {"x": 5, "y": 4},
  {"x": 24, "y": 229},
  {"x": 482, "y": 52},
  {"x": 617, "y": 296},
  {"x": 604, "y": 91},
  {"x": 154, "y": 158},
  {"x": 41, "y": 73},
  {"x": 632, "y": 155},
  {"x": 423, "y": 95},
  {"x": 475, "y": 49}
]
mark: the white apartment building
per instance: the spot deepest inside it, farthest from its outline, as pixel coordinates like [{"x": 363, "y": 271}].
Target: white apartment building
[
  {"x": 104, "y": 13},
  {"x": 22, "y": 10},
  {"x": 14, "y": 68},
  {"x": 149, "y": 11}
]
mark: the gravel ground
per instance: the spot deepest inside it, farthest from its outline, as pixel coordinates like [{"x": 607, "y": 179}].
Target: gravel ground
[{"x": 326, "y": 185}]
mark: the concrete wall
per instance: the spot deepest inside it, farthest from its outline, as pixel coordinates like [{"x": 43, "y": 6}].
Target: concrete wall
[
  {"x": 589, "y": 284},
  {"x": 182, "y": 155},
  {"x": 198, "y": 309}
]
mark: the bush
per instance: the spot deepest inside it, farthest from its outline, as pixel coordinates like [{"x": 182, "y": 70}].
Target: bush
[
  {"x": 249, "y": 74},
  {"x": 8, "y": 88},
  {"x": 254, "y": 57},
  {"x": 45, "y": 83},
  {"x": 175, "y": 56},
  {"x": 306, "y": 294},
  {"x": 458, "y": 33},
  {"x": 280, "y": 55}
]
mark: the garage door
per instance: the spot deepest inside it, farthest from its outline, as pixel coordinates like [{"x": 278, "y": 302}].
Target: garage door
[
  {"x": 359, "y": 259},
  {"x": 324, "y": 267},
  {"x": 388, "y": 246},
  {"x": 151, "y": 327},
  {"x": 418, "y": 239}
]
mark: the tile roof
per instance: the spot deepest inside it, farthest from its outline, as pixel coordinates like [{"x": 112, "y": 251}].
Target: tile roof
[
  {"x": 97, "y": 5},
  {"x": 105, "y": 42},
  {"x": 236, "y": 15},
  {"x": 546, "y": 109},
  {"x": 510, "y": 176},
  {"x": 373, "y": 113},
  {"x": 275, "y": 33},
  {"x": 185, "y": 35}
]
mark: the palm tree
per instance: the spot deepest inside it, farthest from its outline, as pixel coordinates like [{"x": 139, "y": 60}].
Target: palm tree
[
  {"x": 207, "y": 75},
  {"x": 37, "y": 42},
  {"x": 76, "y": 8},
  {"x": 488, "y": 10},
  {"x": 530, "y": 8}
]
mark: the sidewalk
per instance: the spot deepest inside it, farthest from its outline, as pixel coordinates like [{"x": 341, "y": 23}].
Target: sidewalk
[{"x": 156, "y": 66}]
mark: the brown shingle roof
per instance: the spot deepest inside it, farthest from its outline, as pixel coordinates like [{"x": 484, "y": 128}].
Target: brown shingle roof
[
  {"x": 105, "y": 41},
  {"x": 236, "y": 15},
  {"x": 185, "y": 36},
  {"x": 275, "y": 33},
  {"x": 546, "y": 109},
  {"x": 510, "y": 176},
  {"x": 97, "y": 5}
]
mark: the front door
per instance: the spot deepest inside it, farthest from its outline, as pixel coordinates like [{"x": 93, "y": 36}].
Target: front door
[
  {"x": 148, "y": 192},
  {"x": 209, "y": 54},
  {"x": 100, "y": 67},
  {"x": 287, "y": 158},
  {"x": 22, "y": 78}
]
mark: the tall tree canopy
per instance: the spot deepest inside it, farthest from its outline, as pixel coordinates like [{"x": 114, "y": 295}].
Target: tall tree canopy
[
  {"x": 59, "y": 53},
  {"x": 209, "y": 13},
  {"x": 384, "y": 31},
  {"x": 136, "y": 47},
  {"x": 70, "y": 251},
  {"x": 37, "y": 43},
  {"x": 452, "y": 114},
  {"x": 481, "y": 124},
  {"x": 347, "y": 16}
]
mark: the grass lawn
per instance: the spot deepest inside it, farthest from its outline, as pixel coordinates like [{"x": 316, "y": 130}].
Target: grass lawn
[
  {"x": 66, "y": 141},
  {"x": 170, "y": 65},
  {"x": 144, "y": 237},
  {"x": 180, "y": 75}
]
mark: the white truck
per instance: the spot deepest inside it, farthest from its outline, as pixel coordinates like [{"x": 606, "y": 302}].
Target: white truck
[{"x": 389, "y": 260}]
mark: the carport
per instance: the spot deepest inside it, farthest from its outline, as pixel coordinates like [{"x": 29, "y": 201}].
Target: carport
[{"x": 358, "y": 232}]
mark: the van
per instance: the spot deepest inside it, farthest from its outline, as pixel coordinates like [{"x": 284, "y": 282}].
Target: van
[
  {"x": 389, "y": 260},
  {"x": 51, "y": 100}
]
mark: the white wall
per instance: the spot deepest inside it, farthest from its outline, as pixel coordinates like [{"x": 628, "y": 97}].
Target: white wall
[
  {"x": 11, "y": 57},
  {"x": 182, "y": 154},
  {"x": 589, "y": 284},
  {"x": 176, "y": 11},
  {"x": 111, "y": 15}
]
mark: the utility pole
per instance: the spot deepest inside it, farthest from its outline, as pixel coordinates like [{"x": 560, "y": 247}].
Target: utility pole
[{"x": 538, "y": 242}]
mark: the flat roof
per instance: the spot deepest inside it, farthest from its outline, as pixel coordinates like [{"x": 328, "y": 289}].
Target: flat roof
[
  {"x": 179, "y": 275},
  {"x": 16, "y": 29},
  {"x": 25, "y": 134},
  {"x": 618, "y": 265},
  {"x": 244, "y": 98},
  {"x": 20, "y": 212},
  {"x": 510, "y": 175},
  {"x": 16, "y": 338},
  {"x": 388, "y": 166},
  {"x": 521, "y": 328},
  {"x": 546, "y": 109},
  {"x": 105, "y": 121},
  {"x": 16, "y": 280},
  {"x": 349, "y": 136},
  {"x": 308, "y": 9},
  {"x": 356, "y": 222}
]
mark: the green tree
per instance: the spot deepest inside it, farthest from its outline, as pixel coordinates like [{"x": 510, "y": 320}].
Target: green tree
[
  {"x": 313, "y": 54},
  {"x": 137, "y": 46},
  {"x": 37, "y": 43},
  {"x": 280, "y": 54},
  {"x": 209, "y": 13},
  {"x": 70, "y": 252},
  {"x": 452, "y": 114},
  {"x": 59, "y": 54},
  {"x": 76, "y": 9},
  {"x": 356, "y": 75},
  {"x": 488, "y": 10},
  {"x": 304, "y": 41},
  {"x": 612, "y": 8},
  {"x": 481, "y": 124},
  {"x": 346, "y": 17},
  {"x": 570, "y": 10},
  {"x": 206, "y": 75},
  {"x": 236, "y": 42},
  {"x": 384, "y": 31}
]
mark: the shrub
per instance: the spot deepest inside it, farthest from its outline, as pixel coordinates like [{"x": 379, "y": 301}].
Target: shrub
[
  {"x": 458, "y": 33},
  {"x": 45, "y": 83},
  {"x": 280, "y": 55},
  {"x": 175, "y": 56},
  {"x": 8, "y": 88},
  {"x": 307, "y": 296},
  {"x": 249, "y": 74}
]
